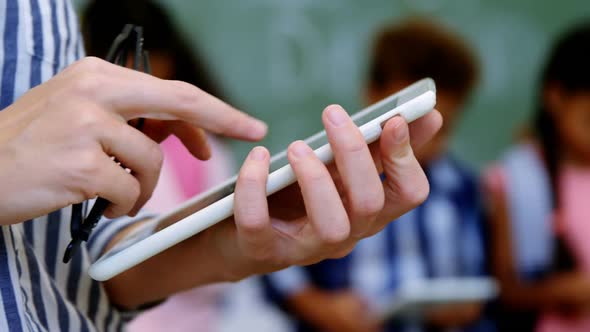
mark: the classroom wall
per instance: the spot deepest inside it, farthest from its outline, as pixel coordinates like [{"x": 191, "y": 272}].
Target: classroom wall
[{"x": 284, "y": 60}]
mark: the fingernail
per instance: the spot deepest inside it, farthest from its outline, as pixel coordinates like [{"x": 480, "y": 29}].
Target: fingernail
[
  {"x": 258, "y": 129},
  {"x": 400, "y": 132},
  {"x": 258, "y": 153},
  {"x": 300, "y": 149},
  {"x": 337, "y": 115}
]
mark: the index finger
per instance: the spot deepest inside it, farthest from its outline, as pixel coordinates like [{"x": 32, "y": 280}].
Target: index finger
[{"x": 133, "y": 94}]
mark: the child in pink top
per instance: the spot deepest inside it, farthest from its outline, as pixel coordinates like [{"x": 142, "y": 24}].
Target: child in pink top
[
  {"x": 572, "y": 224},
  {"x": 555, "y": 295}
]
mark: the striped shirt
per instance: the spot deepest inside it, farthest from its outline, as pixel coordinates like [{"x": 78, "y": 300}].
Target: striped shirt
[{"x": 37, "y": 291}]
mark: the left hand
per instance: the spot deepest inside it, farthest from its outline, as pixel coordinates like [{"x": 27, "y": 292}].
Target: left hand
[
  {"x": 330, "y": 208},
  {"x": 323, "y": 216}
]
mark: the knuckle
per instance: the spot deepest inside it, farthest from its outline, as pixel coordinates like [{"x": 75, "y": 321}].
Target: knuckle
[
  {"x": 369, "y": 204},
  {"x": 89, "y": 120},
  {"x": 113, "y": 211},
  {"x": 311, "y": 260},
  {"x": 89, "y": 64},
  {"x": 86, "y": 83},
  {"x": 88, "y": 162},
  {"x": 155, "y": 156},
  {"x": 414, "y": 195},
  {"x": 133, "y": 190},
  {"x": 185, "y": 94},
  {"x": 131, "y": 195},
  {"x": 356, "y": 146},
  {"x": 250, "y": 178},
  {"x": 86, "y": 76},
  {"x": 342, "y": 252},
  {"x": 336, "y": 234},
  {"x": 399, "y": 159},
  {"x": 403, "y": 152},
  {"x": 314, "y": 175},
  {"x": 182, "y": 86},
  {"x": 251, "y": 220}
]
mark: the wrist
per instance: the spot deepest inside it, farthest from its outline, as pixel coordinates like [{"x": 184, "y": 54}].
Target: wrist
[
  {"x": 186, "y": 265},
  {"x": 219, "y": 255},
  {"x": 223, "y": 253},
  {"x": 16, "y": 193}
]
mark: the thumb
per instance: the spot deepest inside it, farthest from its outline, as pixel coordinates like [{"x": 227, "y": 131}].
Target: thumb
[{"x": 405, "y": 183}]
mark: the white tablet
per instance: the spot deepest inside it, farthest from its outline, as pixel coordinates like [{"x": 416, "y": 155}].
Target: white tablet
[
  {"x": 417, "y": 297},
  {"x": 215, "y": 205}
]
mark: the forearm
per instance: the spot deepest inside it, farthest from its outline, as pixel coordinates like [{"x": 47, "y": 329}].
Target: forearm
[
  {"x": 189, "y": 264},
  {"x": 454, "y": 316},
  {"x": 548, "y": 294},
  {"x": 332, "y": 311},
  {"x": 311, "y": 305}
]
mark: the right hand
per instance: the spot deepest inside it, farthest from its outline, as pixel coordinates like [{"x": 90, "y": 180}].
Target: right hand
[{"x": 57, "y": 140}]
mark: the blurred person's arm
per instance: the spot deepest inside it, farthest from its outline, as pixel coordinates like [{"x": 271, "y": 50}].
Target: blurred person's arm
[
  {"x": 342, "y": 311},
  {"x": 326, "y": 310},
  {"x": 558, "y": 291},
  {"x": 454, "y": 316}
]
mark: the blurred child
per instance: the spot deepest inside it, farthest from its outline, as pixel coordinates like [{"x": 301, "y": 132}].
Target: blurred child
[
  {"x": 182, "y": 175},
  {"x": 441, "y": 238},
  {"x": 539, "y": 207}
]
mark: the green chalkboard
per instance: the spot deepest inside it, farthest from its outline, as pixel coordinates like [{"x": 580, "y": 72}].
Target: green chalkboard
[{"x": 285, "y": 60}]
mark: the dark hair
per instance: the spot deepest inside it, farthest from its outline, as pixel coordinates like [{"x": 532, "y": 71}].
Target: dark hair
[
  {"x": 416, "y": 49},
  {"x": 103, "y": 20},
  {"x": 567, "y": 67}
]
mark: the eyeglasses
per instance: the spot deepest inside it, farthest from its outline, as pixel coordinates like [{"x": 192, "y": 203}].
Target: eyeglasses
[{"x": 81, "y": 224}]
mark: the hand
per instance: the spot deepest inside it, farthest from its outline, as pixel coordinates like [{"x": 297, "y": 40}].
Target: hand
[
  {"x": 342, "y": 311},
  {"x": 323, "y": 216},
  {"x": 330, "y": 208},
  {"x": 453, "y": 316},
  {"x": 57, "y": 140}
]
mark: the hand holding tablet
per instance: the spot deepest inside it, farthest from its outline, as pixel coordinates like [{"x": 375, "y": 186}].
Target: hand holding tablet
[{"x": 318, "y": 213}]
